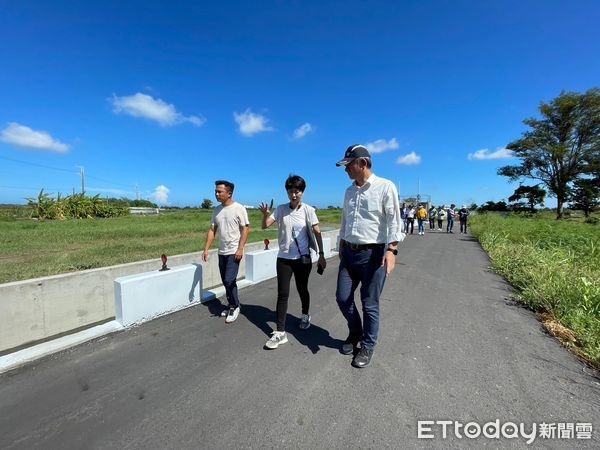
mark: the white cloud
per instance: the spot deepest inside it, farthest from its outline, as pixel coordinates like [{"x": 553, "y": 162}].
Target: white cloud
[
  {"x": 411, "y": 159},
  {"x": 251, "y": 123},
  {"x": 23, "y": 136},
  {"x": 381, "y": 145},
  {"x": 148, "y": 107},
  {"x": 161, "y": 194},
  {"x": 500, "y": 153},
  {"x": 303, "y": 130}
]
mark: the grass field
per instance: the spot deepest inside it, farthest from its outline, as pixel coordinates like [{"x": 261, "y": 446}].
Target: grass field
[
  {"x": 555, "y": 267},
  {"x": 30, "y": 249}
]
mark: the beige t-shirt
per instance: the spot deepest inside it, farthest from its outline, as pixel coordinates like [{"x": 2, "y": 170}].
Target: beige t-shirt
[{"x": 229, "y": 221}]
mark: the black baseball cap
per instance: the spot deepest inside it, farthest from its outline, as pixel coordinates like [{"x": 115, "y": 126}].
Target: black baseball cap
[{"x": 353, "y": 152}]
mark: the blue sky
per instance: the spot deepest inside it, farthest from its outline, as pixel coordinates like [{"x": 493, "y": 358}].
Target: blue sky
[{"x": 169, "y": 96}]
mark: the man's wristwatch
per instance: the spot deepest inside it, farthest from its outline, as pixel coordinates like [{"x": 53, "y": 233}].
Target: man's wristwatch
[{"x": 393, "y": 250}]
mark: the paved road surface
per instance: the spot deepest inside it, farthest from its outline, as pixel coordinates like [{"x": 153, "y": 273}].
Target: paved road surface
[{"x": 452, "y": 347}]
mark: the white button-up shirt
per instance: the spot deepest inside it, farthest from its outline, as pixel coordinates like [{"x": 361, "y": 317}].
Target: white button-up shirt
[{"x": 371, "y": 213}]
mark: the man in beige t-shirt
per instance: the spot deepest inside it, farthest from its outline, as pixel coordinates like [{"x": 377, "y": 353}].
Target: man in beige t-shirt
[{"x": 230, "y": 221}]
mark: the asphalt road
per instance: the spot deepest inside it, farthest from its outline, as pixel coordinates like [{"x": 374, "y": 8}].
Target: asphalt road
[{"x": 452, "y": 347}]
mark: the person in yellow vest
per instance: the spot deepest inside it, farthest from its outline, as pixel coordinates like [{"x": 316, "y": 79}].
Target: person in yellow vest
[{"x": 421, "y": 217}]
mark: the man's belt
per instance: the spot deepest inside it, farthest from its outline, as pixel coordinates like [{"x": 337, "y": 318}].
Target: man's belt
[{"x": 358, "y": 247}]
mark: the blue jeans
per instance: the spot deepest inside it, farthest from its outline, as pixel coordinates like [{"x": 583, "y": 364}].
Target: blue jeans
[
  {"x": 364, "y": 267},
  {"x": 229, "y": 267},
  {"x": 421, "y": 225},
  {"x": 450, "y": 225}
]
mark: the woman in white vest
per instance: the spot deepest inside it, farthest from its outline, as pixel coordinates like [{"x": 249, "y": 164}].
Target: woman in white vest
[{"x": 298, "y": 233}]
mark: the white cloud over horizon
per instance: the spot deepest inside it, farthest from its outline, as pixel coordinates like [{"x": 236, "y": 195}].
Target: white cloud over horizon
[
  {"x": 381, "y": 145},
  {"x": 23, "y": 136},
  {"x": 148, "y": 107},
  {"x": 303, "y": 130},
  {"x": 410, "y": 159},
  {"x": 161, "y": 194},
  {"x": 251, "y": 123},
  {"x": 484, "y": 154}
]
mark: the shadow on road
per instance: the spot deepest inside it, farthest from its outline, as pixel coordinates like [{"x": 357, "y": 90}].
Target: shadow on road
[
  {"x": 314, "y": 337},
  {"x": 215, "y": 307}
]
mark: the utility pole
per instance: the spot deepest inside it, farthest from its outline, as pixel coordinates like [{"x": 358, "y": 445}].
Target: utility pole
[
  {"x": 82, "y": 173},
  {"x": 137, "y": 191}
]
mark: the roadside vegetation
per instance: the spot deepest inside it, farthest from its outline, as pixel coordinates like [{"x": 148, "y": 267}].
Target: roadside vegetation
[
  {"x": 79, "y": 206},
  {"x": 555, "y": 268},
  {"x": 36, "y": 248}
]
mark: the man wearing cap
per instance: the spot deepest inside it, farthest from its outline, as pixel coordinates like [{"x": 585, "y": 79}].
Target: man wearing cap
[
  {"x": 369, "y": 235},
  {"x": 463, "y": 215}
]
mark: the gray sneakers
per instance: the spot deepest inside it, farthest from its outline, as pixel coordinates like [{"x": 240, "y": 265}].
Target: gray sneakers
[
  {"x": 305, "y": 322},
  {"x": 277, "y": 338}
]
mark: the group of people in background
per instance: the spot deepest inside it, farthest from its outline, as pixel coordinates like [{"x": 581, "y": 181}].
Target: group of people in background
[
  {"x": 370, "y": 231},
  {"x": 436, "y": 216}
]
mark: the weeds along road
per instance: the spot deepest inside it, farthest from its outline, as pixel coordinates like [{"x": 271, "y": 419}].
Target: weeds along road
[{"x": 452, "y": 347}]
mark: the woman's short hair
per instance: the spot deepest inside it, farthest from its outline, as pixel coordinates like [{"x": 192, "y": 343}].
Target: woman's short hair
[{"x": 295, "y": 182}]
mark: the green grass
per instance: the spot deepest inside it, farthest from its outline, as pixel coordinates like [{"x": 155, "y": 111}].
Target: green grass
[
  {"x": 554, "y": 265},
  {"x": 30, "y": 248}
]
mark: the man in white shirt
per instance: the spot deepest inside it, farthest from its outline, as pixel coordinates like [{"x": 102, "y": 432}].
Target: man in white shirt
[
  {"x": 369, "y": 235},
  {"x": 230, "y": 221}
]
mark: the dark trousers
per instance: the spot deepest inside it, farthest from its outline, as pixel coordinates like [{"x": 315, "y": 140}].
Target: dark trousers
[
  {"x": 463, "y": 225},
  {"x": 361, "y": 267},
  {"x": 410, "y": 222},
  {"x": 440, "y": 223},
  {"x": 229, "y": 267},
  {"x": 450, "y": 225},
  {"x": 301, "y": 272},
  {"x": 432, "y": 224}
]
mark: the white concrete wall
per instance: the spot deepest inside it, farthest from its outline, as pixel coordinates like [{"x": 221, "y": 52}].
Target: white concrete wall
[
  {"x": 145, "y": 296},
  {"x": 42, "y": 308}
]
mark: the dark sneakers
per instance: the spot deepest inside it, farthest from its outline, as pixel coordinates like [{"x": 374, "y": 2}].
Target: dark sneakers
[
  {"x": 349, "y": 344},
  {"x": 363, "y": 358}
]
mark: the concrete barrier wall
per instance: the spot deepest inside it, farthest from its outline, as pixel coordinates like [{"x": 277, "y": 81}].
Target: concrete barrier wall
[
  {"x": 145, "y": 296},
  {"x": 42, "y": 308}
]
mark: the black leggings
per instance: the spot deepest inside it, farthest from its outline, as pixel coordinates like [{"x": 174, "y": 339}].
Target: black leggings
[
  {"x": 285, "y": 269},
  {"x": 410, "y": 222}
]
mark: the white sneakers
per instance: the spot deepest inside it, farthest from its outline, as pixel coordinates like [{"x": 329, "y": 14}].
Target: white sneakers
[
  {"x": 232, "y": 314},
  {"x": 277, "y": 338}
]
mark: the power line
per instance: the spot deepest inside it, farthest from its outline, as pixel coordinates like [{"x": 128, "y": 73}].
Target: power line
[
  {"x": 37, "y": 165},
  {"x": 66, "y": 170},
  {"x": 35, "y": 189}
]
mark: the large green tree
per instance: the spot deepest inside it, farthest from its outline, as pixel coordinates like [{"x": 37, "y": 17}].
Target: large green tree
[
  {"x": 534, "y": 195},
  {"x": 561, "y": 146}
]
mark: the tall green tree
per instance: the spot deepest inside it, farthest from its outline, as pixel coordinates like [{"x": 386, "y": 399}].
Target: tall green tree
[
  {"x": 534, "y": 195},
  {"x": 585, "y": 195},
  {"x": 206, "y": 203},
  {"x": 561, "y": 146}
]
